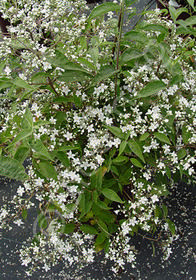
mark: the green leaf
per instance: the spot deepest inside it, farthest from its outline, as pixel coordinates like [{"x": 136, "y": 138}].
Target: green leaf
[
  {"x": 99, "y": 176},
  {"x": 162, "y": 137},
  {"x": 135, "y": 148},
  {"x": 68, "y": 148},
  {"x": 73, "y": 76},
  {"x": 136, "y": 162},
  {"x": 130, "y": 2},
  {"x": 68, "y": 228},
  {"x": 188, "y": 22},
  {"x": 168, "y": 172},
  {"x": 100, "y": 239},
  {"x": 24, "y": 213},
  {"x": 21, "y": 153},
  {"x": 2, "y": 65},
  {"x": 39, "y": 78},
  {"x": 85, "y": 204},
  {"x": 63, "y": 99},
  {"x": 47, "y": 169},
  {"x": 158, "y": 212},
  {"x": 123, "y": 145},
  {"x": 176, "y": 12},
  {"x": 103, "y": 9},
  {"x": 21, "y": 83},
  {"x": 144, "y": 136},
  {"x": 116, "y": 131},
  {"x": 161, "y": 37},
  {"x": 136, "y": 36},
  {"x": 83, "y": 42},
  {"x": 12, "y": 168},
  {"x": 111, "y": 195},
  {"x": 27, "y": 120},
  {"x": 103, "y": 205},
  {"x": 86, "y": 62},
  {"x": 174, "y": 68},
  {"x": 130, "y": 54},
  {"x": 181, "y": 153},
  {"x": 192, "y": 4},
  {"x": 156, "y": 27},
  {"x": 185, "y": 134},
  {"x": 95, "y": 196},
  {"x": 62, "y": 156},
  {"x": 120, "y": 187},
  {"x": 103, "y": 227},
  {"x": 99, "y": 247},
  {"x": 42, "y": 221},
  {"x": 114, "y": 169},
  {"x": 58, "y": 60},
  {"x": 93, "y": 180},
  {"x": 22, "y": 135},
  {"x": 38, "y": 147},
  {"x": 75, "y": 67},
  {"x": 165, "y": 211},
  {"x": 94, "y": 53},
  {"x": 171, "y": 226},
  {"x": 120, "y": 160},
  {"x": 88, "y": 229},
  {"x": 150, "y": 89},
  {"x": 5, "y": 83},
  {"x": 104, "y": 73}
]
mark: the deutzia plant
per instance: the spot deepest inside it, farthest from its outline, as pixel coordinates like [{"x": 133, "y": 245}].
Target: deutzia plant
[{"x": 106, "y": 119}]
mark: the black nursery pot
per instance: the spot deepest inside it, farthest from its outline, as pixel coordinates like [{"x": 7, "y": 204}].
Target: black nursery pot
[
  {"x": 164, "y": 4},
  {"x": 93, "y": 1}
]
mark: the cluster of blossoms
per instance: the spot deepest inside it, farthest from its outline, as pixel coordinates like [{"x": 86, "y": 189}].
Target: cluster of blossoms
[{"x": 101, "y": 153}]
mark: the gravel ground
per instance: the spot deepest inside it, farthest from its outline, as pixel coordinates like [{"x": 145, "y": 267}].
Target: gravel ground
[{"x": 180, "y": 266}]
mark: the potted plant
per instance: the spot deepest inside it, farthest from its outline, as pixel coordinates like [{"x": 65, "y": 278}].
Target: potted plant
[{"x": 107, "y": 120}]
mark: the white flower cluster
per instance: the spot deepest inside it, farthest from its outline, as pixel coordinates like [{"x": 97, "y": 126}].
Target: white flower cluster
[{"x": 71, "y": 127}]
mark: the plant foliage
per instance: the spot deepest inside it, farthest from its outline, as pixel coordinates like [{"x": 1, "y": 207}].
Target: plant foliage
[{"x": 107, "y": 119}]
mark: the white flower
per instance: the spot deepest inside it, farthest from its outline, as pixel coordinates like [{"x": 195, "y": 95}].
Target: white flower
[
  {"x": 20, "y": 191},
  {"x": 22, "y": 76},
  {"x": 143, "y": 200},
  {"x": 56, "y": 29},
  {"x": 39, "y": 182},
  {"x": 52, "y": 120},
  {"x": 18, "y": 222},
  {"x": 161, "y": 165},
  {"x": 47, "y": 65},
  {"x": 99, "y": 159},
  {"x": 120, "y": 262},
  {"x": 26, "y": 261},
  {"x": 116, "y": 142},
  {"x": 130, "y": 257},
  {"x": 133, "y": 221},
  {"x": 46, "y": 267},
  {"x": 191, "y": 171},
  {"x": 68, "y": 135},
  {"x": 147, "y": 175},
  {"x": 147, "y": 149},
  {"x": 7, "y": 70},
  {"x": 166, "y": 149},
  {"x": 4, "y": 213},
  {"x": 109, "y": 121},
  {"x": 146, "y": 227},
  {"x": 125, "y": 228},
  {"x": 154, "y": 198},
  {"x": 101, "y": 34}
]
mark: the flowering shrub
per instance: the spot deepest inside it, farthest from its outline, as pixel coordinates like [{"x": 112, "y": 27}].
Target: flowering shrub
[{"x": 107, "y": 120}]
